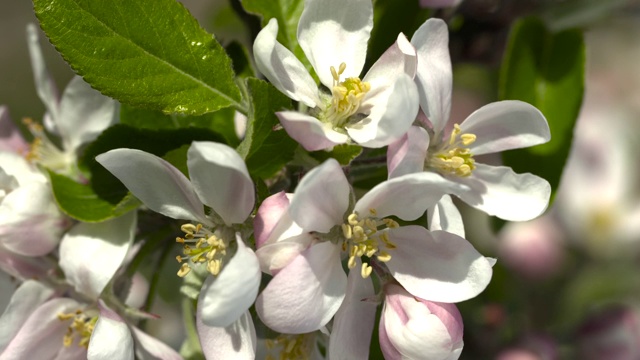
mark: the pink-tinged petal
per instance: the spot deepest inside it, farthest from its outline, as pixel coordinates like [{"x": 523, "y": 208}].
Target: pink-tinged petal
[
  {"x": 331, "y": 32},
  {"x": 148, "y": 347},
  {"x": 282, "y": 68},
  {"x": 321, "y": 198},
  {"x": 224, "y": 298},
  {"x": 234, "y": 342},
  {"x": 138, "y": 291},
  {"x": 506, "y": 125},
  {"x": 434, "y": 76},
  {"x": 91, "y": 253},
  {"x": 157, "y": 183},
  {"x": 42, "y": 328},
  {"x": 273, "y": 257},
  {"x": 499, "y": 191},
  {"x": 25, "y": 267},
  {"x": 407, "y": 155},
  {"x": 437, "y": 4},
  {"x": 109, "y": 330},
  {"x": 221, "y": 180},
  {"x": 269, "y": 215},
  {"x": 444, "y": 215},
  {"x": 305, "y": 295},
  {"x": 437, "y": 266},
  {"x": 353, "y": 324},
  {"x": 45, "y": 86},
  {"x": 30, "y": 295},
  {"x": 407, "y": 196},
  {"x": 10, "y": 136},
  {"x": 400, "y": 58},
  {"x": 309, "y": 131},
  {"x": 30, "y": 222},
  {"x": 417, "y": 329},
  {"x": 391, "y": 111},
  {"x": 84, "y": 114}
]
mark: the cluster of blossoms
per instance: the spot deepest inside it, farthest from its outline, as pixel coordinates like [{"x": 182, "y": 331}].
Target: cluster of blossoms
[{"x": 315, "y": 264}]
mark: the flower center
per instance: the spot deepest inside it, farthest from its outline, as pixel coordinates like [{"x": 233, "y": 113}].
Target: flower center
[
  {"x": 292, "y": 347},
  {"x": 201, "y": 246},
  {"x": 367, "y": 236},
  {"x": 45, "y": 152},
  {"x": 82, "y": 326},
  {"x": 346, "y": 98},
  {"x": 455, "y": 157}
]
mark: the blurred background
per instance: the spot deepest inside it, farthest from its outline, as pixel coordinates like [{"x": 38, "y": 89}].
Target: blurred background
[{"x": 566, "y": 285}]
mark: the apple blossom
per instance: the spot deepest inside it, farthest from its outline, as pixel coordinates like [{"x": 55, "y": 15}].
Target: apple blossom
[
  {"x": 301, "y": 243},
  {"x": 372, "y": 111},
  {"x": 449, "y": 149},
  {"x": 413, "y": 328},
  {"x": 79, "y": 116},
  {"x": 219, "y": 180}
]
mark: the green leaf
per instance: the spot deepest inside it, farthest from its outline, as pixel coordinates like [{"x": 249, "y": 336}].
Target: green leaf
[
  {"x": 344, "y": 153},
  {"x": 221, "y": 121},
  {"x": 146, "y": 53},
  {"x": 157, "y": 142},
  {"x": 81, "y": 202},
  {"x": 546, "y": 70},
  {"x": 287, "y": 12},
  {"x": 264, "y": 149}
]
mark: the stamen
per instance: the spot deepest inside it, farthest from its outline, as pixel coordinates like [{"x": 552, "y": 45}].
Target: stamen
[
  {"x": 82, "y": 326},
  {"x": 205, "y": 247},
  {"x": 455, "y": 158},
  {"x": 292, "y": 347},
  {"x": 346, "y": 98},
  {"x": 44, "y": 152}
]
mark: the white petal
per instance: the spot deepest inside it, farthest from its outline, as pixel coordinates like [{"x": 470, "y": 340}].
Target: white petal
[
  {"x": 148, "y": 347},
  {"x": 91, "y": 253},
  {"x": 434, "y": 76},
  {"x": 10, "y": 137},
  {"x": 235, "y": 342},
  {"x": 400, "y": 58},
  {"x": 310, "y": 132},
  {"x": 506, "y": 125},
  {"x": 25, "y": 267},
  {"x": 499, "y": 191},
  {"x": 275, "y": 256},
  {"x": 305, "y": 295},
  {"x": 332, "y": 32},
  {"x": 29, "y": 296},
  {"x": 271, "y": 215},
  {"x": 221, "y": 180},
  {"x": 30, "y": 222},
  {"x": 224, "y": 298},
  {"x": 84, "y": 114},
  {"x": 391, "y": 110},
  {"x": 407, "y": 196},
  {"x": 282, "y": 68},
  {"x": 353, "y": 324},
  {"x": 42, "y": 328},
  {"x": 437, "y": 266},
  {"x": 45, "y": 86},
  {"x": 17, "y": 166},
  {"x": 444, "y": 215},
  {"x": 72, "y": 353},
  {"x": 110, "y": 329},
  {"x": 407, "y": 155},
  {"x": 157, "y": 183},
  {"x": 321, "y": 198}
]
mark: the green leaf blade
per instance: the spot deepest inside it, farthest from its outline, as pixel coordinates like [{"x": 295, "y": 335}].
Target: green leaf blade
[
  {"x": 146, "y": 53},
  {"x": 546, "y": 70}
]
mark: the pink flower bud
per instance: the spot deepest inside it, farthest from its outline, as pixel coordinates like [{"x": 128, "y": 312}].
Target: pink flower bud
[{"x": 413, "y": 328}]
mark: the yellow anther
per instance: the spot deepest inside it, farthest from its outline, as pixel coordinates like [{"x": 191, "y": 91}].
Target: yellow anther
[
  {"x": 455, "y": 158},
  {"x": 383, "y": 256},
  {"x": 468, "y": 139},
  {"x": 353, "y": 219},
  {"x": 352, "y": 262},
  {"x": 390, "y": 223},
  {"x": 184, "y": 270},
  {"x": 179, "y": 259},
  {"x": 343, "y": 66},
  {"x": 189, "y": 228},
  {"x": 180, "y": 240},
  {"x": 346, "y": 231},
  {"x": 366, "y": 270},
  {"x": 373, "y": 212}
]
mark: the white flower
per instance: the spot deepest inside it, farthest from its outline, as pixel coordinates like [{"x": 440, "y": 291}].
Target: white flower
[
  {"x": 79, "y": 116},
  {"x": 449, "y": 149},
  {"x": 372, "y": 111},
  {"x": 301, "y": 243},
  {"x": 219, "y": 180}
]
